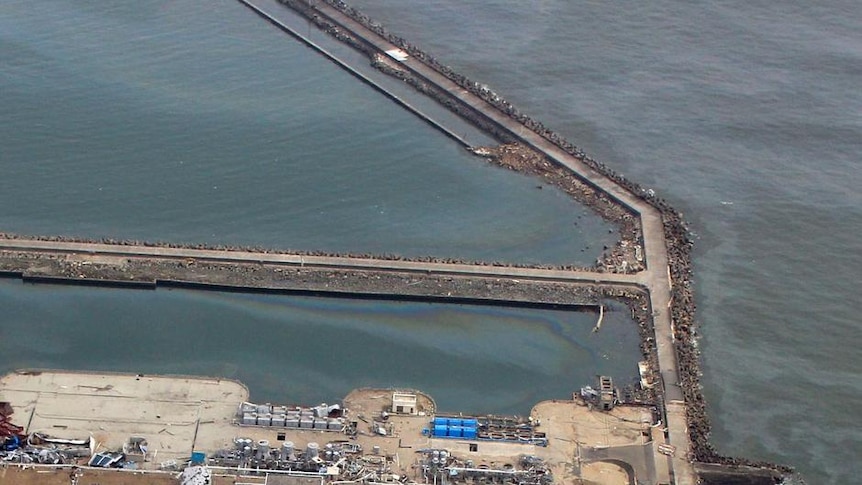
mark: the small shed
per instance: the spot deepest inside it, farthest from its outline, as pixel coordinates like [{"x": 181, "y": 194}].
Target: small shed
[{"x": 404, "y": 403}]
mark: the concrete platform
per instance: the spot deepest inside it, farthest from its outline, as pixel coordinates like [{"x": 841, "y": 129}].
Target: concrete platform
[{"x": 174, "y": 414}]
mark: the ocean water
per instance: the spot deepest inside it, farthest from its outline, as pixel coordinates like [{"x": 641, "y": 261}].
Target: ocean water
[
  {"x": 748, "y": 117},
  {"x": 186, "y": 121},
  {"x": 197, "y": 121},
  {"x": 304, "y": 350}
]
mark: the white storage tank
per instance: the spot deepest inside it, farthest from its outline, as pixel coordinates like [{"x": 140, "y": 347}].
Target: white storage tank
[
  {"x": 312, "y": 450},
  {"x": 287, "y": 450},
  {"x": 262, "y": 449}
]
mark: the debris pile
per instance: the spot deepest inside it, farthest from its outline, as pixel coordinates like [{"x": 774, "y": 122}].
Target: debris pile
[
  {"x": 343, "y": 459},
  {"x": 440, "y": 466},
  {"x": 43, "y": 449}
]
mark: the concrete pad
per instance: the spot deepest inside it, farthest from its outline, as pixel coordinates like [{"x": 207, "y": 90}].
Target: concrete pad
[{"x": 167, "y": 411}]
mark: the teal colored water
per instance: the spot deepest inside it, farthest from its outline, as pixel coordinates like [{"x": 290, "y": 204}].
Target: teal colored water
[
  {"x": 310, "y": 350},
  {"x": 188, "y": 122},
  {"x": 745, "y": 114},
  {"x": 748, "y": 117}
]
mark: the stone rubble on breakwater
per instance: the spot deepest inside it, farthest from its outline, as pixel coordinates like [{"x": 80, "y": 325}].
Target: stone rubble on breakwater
[
  {"x": 678, "y": 237},
  {"x": 626, "y": 256},
  {"x": 297, "y": 252}
]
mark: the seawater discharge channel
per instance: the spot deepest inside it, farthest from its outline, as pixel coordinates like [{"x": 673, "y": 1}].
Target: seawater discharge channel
[{"x": 304, "y": 349}]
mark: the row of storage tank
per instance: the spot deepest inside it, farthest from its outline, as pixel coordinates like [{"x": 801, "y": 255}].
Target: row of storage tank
[
  {"x": 287, "y": 452},
  {"x": 443, "y": 427},
  {"x": 292, "y": 421},
  {"x": 283, "y": 417}
]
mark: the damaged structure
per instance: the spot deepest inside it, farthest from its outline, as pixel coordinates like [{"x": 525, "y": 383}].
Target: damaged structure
[{"x": 202, "y": 429}]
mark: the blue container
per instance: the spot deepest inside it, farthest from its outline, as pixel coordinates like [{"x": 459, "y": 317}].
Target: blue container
[
  {"x": 440, "y": 421},
  {"x": 470, "y": 423},
  {"x": 198, "y": 458},
  {"x": 456, "y": 422},
  {"x": 455, "y": 432},
  {"x": 470, "y": 433},
  {"x": 440, "y": 430}
]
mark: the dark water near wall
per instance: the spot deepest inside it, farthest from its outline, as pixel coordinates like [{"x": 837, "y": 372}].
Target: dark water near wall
[
  {"x": 746, "y": 114},
  {"x": 309, "y": 350}
]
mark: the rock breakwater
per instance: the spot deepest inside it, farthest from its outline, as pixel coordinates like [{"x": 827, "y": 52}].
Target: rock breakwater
[{"x": 677, "y": 234}]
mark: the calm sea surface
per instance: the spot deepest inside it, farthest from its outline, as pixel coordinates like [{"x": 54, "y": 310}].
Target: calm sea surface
[
  {"x": 310, "y": 350},
  {"x": 195, "y": 121}
]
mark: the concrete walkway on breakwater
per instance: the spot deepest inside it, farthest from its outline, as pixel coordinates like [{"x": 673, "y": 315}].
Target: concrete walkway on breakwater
[
  {"x": 657, "y": 275},
  {"x": 340, "y": 262}
]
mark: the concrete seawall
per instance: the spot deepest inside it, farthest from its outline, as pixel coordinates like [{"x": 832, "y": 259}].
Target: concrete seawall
[
  {"x": 105, "y": 274},
  {"x": 347, "y": 67},
  {"x": 436, "y": 84}
]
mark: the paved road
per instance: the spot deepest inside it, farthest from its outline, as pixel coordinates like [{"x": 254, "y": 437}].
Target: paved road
[{"x": 238, "y": 256}]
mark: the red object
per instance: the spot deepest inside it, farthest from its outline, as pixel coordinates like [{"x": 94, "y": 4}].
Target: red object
[{"x": 9, "y": 429}]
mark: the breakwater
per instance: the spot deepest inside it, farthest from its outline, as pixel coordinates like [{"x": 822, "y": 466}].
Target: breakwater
[
  {"x": 355, "y": 73},
  {"x": 677, "y": 240},
  {"x": 84, "y": 259}
]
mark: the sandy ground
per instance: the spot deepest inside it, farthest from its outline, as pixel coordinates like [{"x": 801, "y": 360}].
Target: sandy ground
[{"x": 180, "y": 414}]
